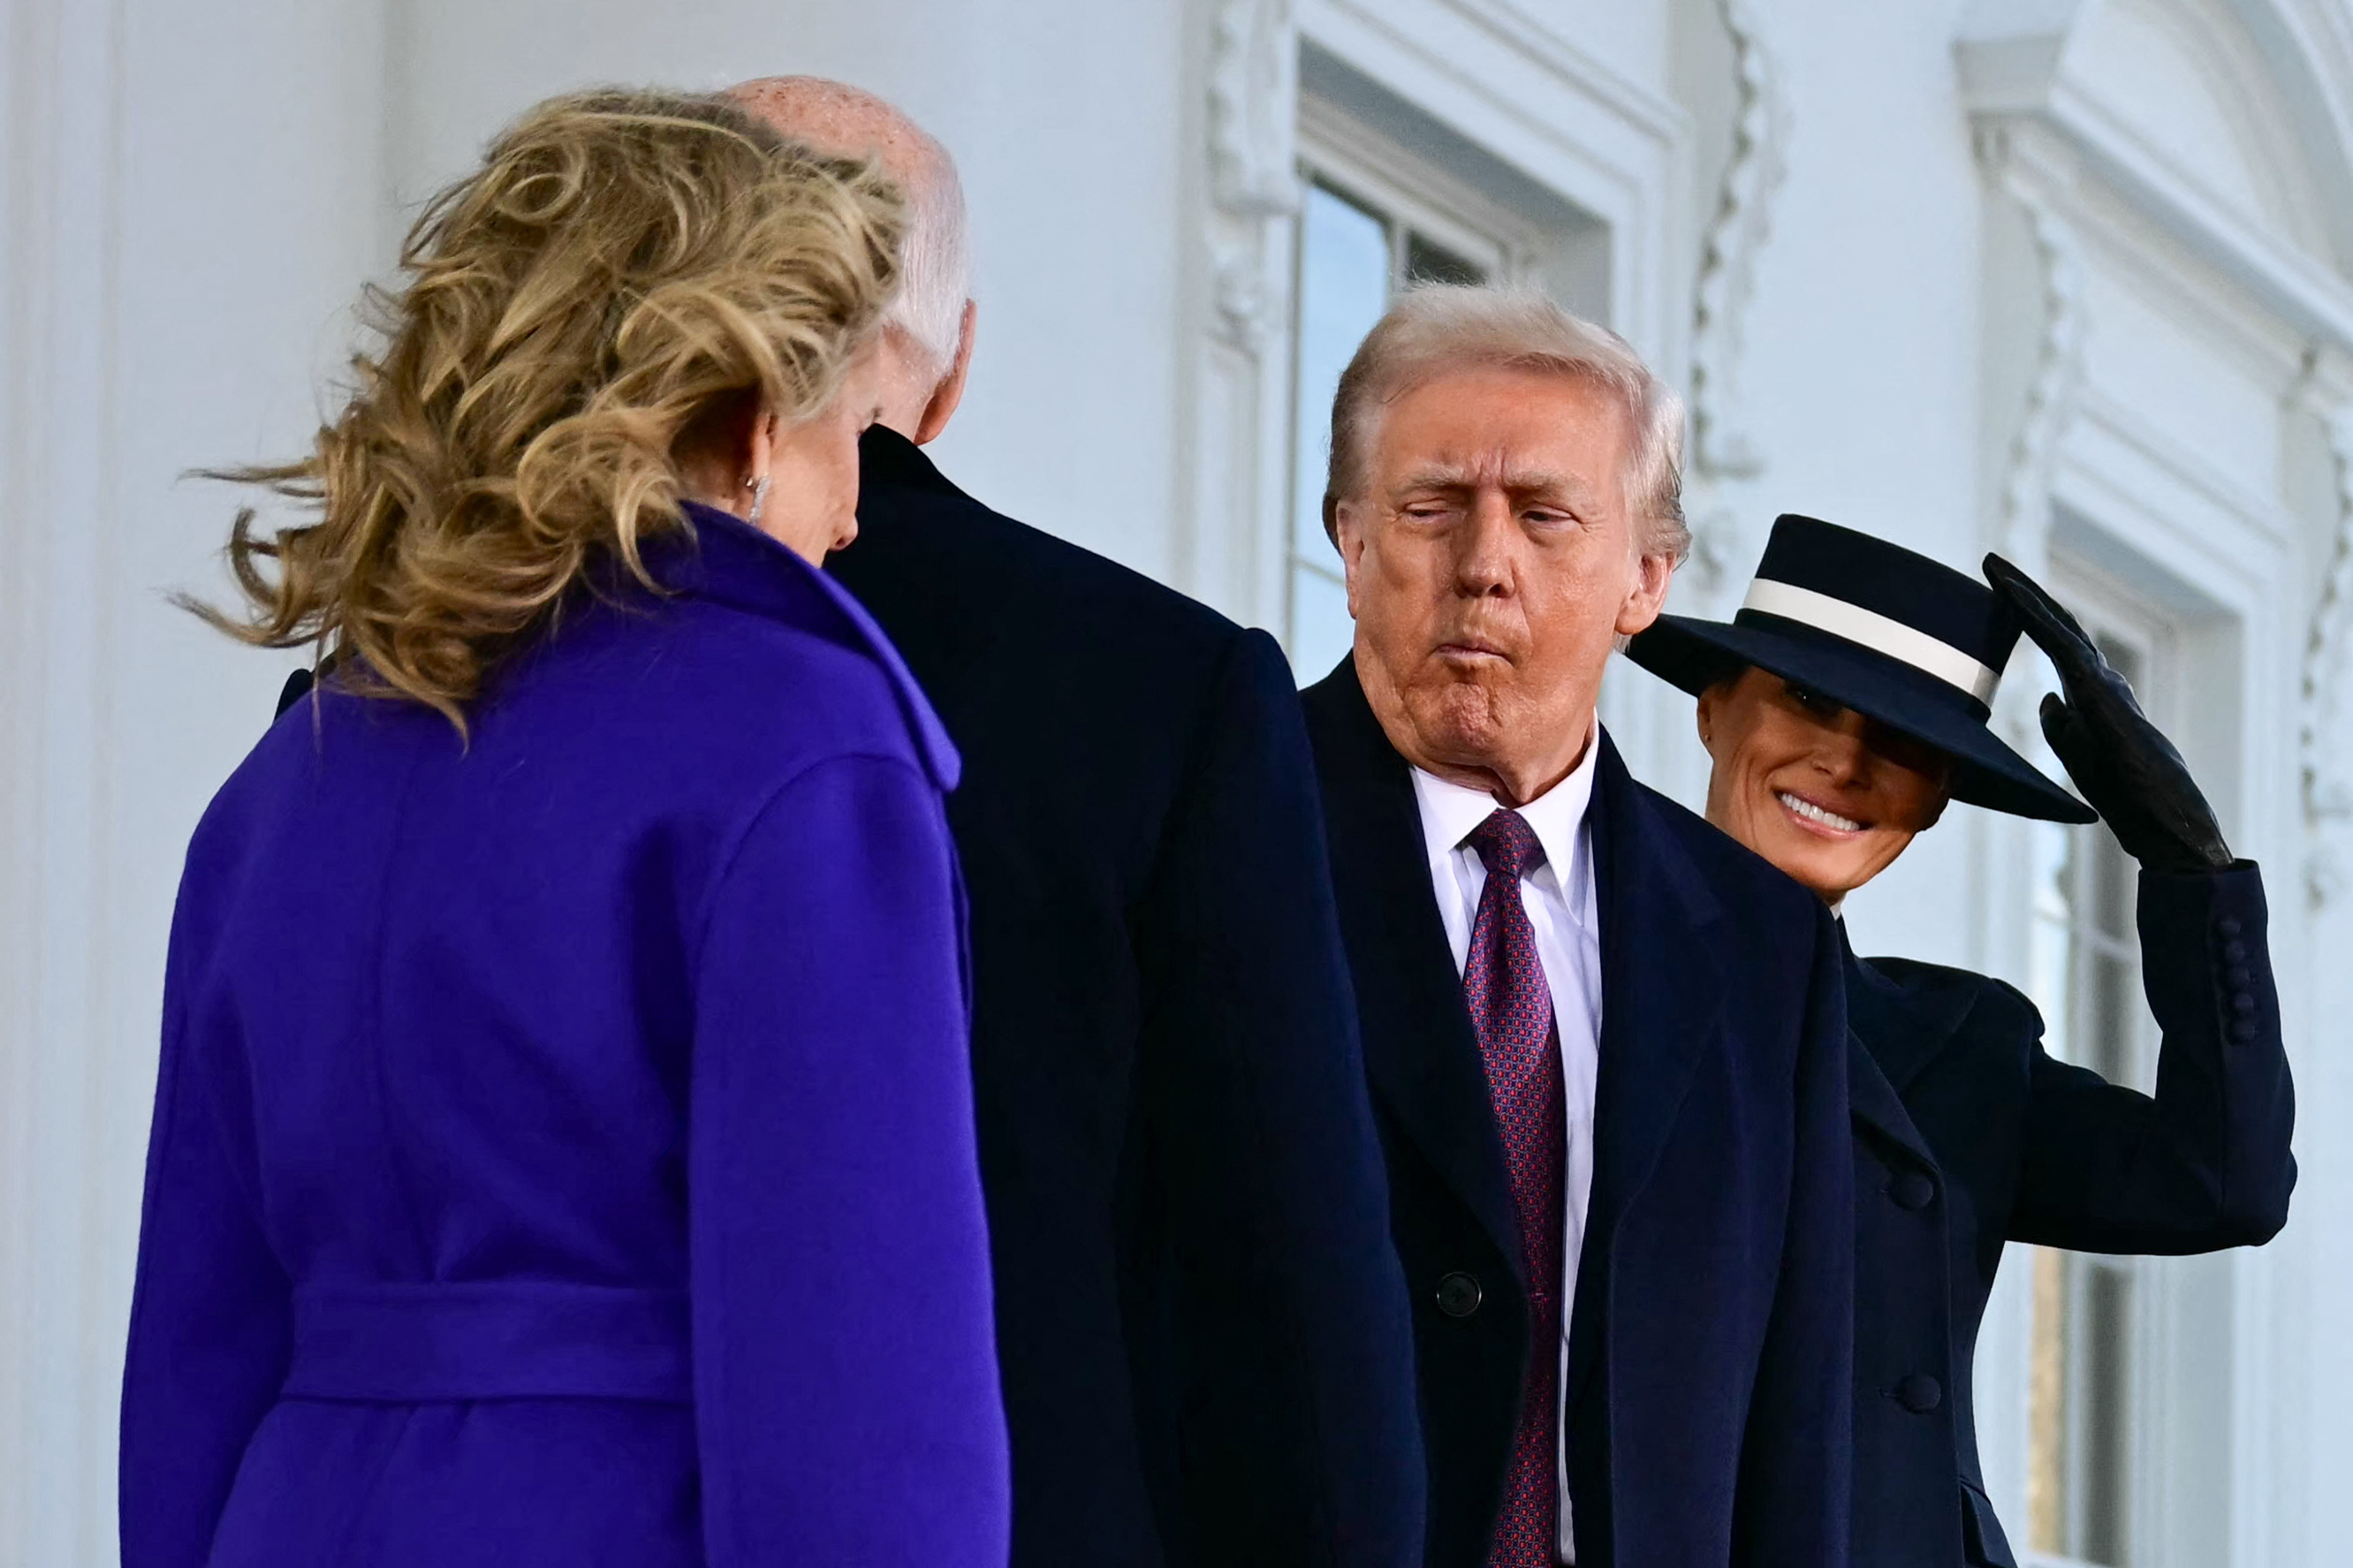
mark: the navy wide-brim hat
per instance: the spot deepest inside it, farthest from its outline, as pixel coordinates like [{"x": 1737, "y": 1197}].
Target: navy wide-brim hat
[{"x": 1893, "y": 635}]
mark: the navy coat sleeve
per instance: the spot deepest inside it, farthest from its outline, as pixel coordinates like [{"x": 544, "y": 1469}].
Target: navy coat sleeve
[
  {"x": 212, "y": 1318},
  {"x": 1256, "y": 1094},
  {"x": 2205, "y": 1164},
  {"x": 1796, "y": 1463},
  {"x": 845, "y": 1371}
]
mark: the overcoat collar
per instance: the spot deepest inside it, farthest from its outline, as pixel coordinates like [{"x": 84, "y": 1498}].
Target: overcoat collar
[
  {"x": 1904, "y": 1028},
  {"x": 886, "y": 457},
  {"x": 1662, "y": 990},
  {"x": 728, "y": 562}
]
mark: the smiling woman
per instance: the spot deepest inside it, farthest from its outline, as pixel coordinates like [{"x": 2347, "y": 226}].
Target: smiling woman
[
  {"x": 1843, "y": 707},
  {"x": 1827, "y": 794}
]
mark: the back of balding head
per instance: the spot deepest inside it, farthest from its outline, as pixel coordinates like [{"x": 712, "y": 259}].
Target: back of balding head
[{"x": 849, "y": 122}]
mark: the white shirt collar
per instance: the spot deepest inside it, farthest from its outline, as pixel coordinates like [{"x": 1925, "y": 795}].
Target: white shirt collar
[{"x": 1449, "y": 812}]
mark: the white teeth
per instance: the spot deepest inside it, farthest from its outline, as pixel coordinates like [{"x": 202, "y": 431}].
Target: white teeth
[{"x": 1812, "y": 813}]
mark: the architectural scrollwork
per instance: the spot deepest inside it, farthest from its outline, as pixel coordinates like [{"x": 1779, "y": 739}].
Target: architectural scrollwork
[
  {"x": 2324, "y": 749},
  {"x": 1253, "y": 160},
  {"x": 1721, "y": 447},
  {"x": 2022, "y": 527}
]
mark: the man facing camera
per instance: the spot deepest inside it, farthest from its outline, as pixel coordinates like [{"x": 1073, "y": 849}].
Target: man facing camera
[
  {"x": 1201, "y": 1328},
  {"x": 1607, "y": 1044}
]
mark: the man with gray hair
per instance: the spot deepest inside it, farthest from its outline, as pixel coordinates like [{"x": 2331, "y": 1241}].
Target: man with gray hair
[
  {"x": 1202, "y": 1329},
  {"x": 1606, "y": 1043}
]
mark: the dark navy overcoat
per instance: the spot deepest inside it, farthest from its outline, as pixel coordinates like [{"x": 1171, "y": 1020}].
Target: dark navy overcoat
[
  {"x": 1710, "y": 1336},
  {"x": 1200, "y": 1321},
  {"x": 564, "y": 1148},
  {"x": 1969, "y": 1135}
]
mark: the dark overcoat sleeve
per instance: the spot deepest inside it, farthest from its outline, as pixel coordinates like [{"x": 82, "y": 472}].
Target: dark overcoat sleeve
[
  {"x": 1301, "y": 1439},
  {"x": 845, "y": 1370},
  {"x": 1796, "y": 1465},
  {"x": 212, "y": 1312},
  {"x": 2205, "y": 1164}
]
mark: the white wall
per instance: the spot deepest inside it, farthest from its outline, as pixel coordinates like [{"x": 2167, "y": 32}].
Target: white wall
[{"x": 192, "y": 195}]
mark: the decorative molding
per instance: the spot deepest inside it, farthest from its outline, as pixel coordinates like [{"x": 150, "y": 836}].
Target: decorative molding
[
  {"x": 2323, "y": 750},
  {"x": 2033, "y": 182},
  {"x": 1253, "y": 162},
  {"x": 1720, "y": 445}
]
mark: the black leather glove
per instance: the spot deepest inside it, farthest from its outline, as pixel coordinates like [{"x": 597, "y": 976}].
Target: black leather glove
[{"x": 2123, "y": 767}]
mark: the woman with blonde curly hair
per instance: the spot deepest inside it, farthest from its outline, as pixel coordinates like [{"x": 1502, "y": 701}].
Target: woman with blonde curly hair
[{"x": 563, "y": 1150}]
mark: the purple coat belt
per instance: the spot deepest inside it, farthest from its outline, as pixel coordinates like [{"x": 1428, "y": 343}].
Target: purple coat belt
[{"x": 563, "y": 1145}]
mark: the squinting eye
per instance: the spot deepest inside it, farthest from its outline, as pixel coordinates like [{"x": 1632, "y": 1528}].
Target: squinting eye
[{"x": 1812, "y": 701}]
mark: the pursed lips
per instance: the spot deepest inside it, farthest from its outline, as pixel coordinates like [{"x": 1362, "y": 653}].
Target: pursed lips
[{"x": 1471, "y": 648}]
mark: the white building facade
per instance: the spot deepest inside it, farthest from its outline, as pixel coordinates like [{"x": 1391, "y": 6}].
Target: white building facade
[{"x": 2068, "y": 279}]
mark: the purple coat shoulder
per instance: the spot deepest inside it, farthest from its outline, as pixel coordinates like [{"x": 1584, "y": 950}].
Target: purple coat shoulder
[{"x": 563, "y": 1144}]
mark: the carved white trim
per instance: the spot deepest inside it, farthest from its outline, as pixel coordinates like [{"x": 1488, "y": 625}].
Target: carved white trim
[
  {"x": 1253, "y": 162},
  {"x": 2022, "y": 524},
  {"x": 1721, "y": 445},
  {"x": 2324, "y": 751}
]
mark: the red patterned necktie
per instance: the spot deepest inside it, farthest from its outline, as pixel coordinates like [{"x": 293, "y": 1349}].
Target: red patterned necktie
[{"x": 1511, "y": 1009}]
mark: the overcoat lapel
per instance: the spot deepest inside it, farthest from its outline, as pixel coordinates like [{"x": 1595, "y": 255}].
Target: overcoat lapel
[
  {"x": 1421, "y": 1052},
  {"x": 1662, "y": 989},
  {"x": 1903, "y": 1030}
]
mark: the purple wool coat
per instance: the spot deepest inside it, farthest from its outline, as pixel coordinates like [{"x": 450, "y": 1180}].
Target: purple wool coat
[{"x": 563, "y": 1145}]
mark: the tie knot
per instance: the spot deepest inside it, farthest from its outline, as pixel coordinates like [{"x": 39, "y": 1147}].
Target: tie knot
[{"x": 1506, "y": 845}]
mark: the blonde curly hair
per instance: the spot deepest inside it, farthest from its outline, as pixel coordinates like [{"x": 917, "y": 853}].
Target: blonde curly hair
[{"x": 626, "y": 269}]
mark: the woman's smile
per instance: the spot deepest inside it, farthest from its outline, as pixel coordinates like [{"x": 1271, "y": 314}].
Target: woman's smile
[
  {"x": 1826, "y": 795},
  {"x": 1815, "y": 818}
]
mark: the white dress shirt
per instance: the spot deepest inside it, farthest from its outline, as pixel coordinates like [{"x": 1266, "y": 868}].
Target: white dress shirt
[{"x": 1559, "y": 898}]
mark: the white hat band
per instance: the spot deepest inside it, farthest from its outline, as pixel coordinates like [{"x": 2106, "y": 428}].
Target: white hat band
[{"x": 1905, "y": 645}]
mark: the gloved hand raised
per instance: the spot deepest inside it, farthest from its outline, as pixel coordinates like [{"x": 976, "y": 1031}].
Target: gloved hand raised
[{"x": 2123, "y": 767}]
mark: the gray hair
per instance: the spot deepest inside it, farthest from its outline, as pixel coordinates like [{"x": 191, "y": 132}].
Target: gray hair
[
  {"x": 936, "y": 258},
  {"x": 935, "y": 252},
  {"x": 1435, "y": 328}
]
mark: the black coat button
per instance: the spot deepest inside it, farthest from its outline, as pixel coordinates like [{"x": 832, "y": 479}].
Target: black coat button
[
  {"x": 2228, "y": 926},
  {"x": 1919, "y": 1393},
  {"x": 1912, "y": 1191},
  {"x": 2234, "y": 952},
  {"x": 1458, "y": 1295},
  {"x": 2244, "y": 1030}
]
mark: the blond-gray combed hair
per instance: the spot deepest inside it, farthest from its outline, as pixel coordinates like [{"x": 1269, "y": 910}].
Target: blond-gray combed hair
[
  {"x": 1435, "y": 329},
  {"x": 575, "y": 318}
]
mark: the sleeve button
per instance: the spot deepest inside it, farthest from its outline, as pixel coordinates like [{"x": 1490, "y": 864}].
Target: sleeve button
[
  {"x": 2239, "y": 976},
  {"x": 2228, "y": 926},
  {"x": 2243, "y": 1030},
  {"x": 2234, "y": 952}
]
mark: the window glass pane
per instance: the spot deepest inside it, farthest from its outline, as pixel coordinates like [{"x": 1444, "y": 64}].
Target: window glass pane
[
  {"x": 2046, "y": 1406},
  {"x": 1344, "y": 287},
  {"x": 2115, "y": 1009},
  {"x": 1320, "y": 630},
  {"x": 1427, "y": 261},
  {"x": 2053, "y": 847},
  {"x": 2107, "y": 1443}
]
